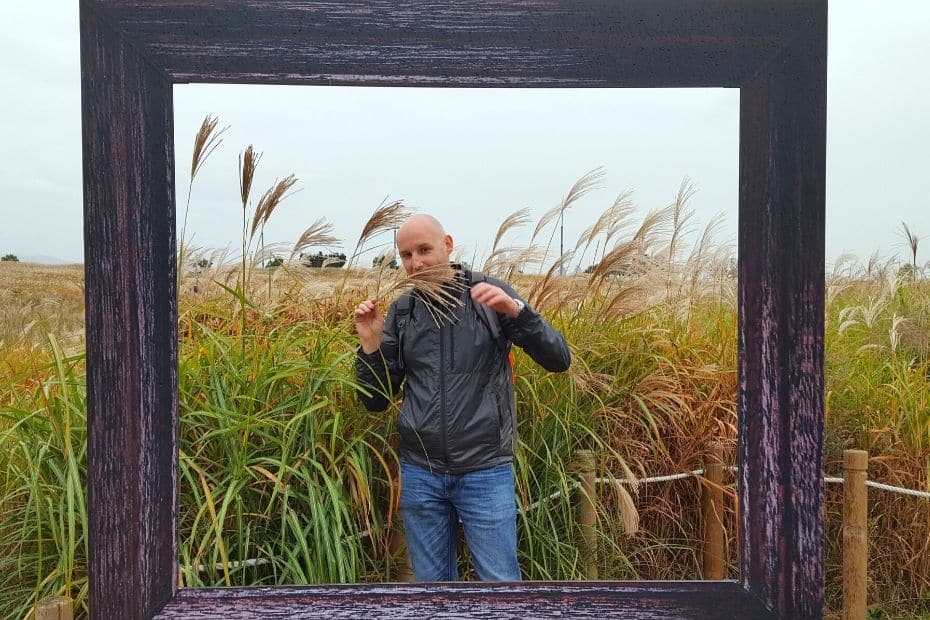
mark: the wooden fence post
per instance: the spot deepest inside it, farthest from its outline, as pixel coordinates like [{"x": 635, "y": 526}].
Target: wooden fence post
[
  {"x": 55, "y": 608},
  {"x": 855, "y": 533},
  {"x": 587, "y": 517},
  {"x": 715, "y": 556}
]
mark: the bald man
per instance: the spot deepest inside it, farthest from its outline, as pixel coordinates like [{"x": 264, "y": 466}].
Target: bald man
[{"x": 457, "y": 420}]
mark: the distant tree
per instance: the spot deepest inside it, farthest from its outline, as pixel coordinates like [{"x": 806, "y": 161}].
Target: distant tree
[
  {"x": 203, "y": 263},
  {"x": 630, "y": 267},
  {"x": 907, "y": 272},
  {"x": 313, "y": 260},
  {"x": 377, "y": 261},
  {"x": 277, "y": 261},
  {"x": 319, "y": 259},
  {"x": 10, "y": 258},
  {"x": 335, "y": 260}
]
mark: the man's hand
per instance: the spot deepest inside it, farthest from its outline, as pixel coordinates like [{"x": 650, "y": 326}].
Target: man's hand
[
  {"x": 495, "y": 298},
  {"x": 368, "y": 324}
]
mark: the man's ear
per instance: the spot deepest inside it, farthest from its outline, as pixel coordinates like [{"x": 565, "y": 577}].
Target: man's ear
[{"x": 449, "y": 244}]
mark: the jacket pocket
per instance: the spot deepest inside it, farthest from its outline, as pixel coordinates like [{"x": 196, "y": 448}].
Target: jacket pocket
[
  {"x": 507, "y": 422},
  {"x": 498, "y": 434},
  {"x": 413, "y": 439}
]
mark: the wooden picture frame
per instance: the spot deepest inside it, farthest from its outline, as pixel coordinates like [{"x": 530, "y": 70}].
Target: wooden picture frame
[{"x": 133, "y": 51}]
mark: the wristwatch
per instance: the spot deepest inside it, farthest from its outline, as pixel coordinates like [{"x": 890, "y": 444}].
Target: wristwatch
[{"x": 520, "y": 305}]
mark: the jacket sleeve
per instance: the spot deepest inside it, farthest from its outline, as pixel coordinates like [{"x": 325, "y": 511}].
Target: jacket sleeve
[
  {"x": 379, "y": 373},
  {"x": 536, "y": 336}
]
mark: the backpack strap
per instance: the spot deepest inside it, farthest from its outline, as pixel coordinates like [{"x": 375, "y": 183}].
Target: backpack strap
[
  {"x": 487, "y": 316},
  {"x": 403, "y": 307},
  {"x": 493, "y": 322}
]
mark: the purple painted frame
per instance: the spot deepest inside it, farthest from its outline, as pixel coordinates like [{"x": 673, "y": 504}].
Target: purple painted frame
[{"x": 132, "y": 51}]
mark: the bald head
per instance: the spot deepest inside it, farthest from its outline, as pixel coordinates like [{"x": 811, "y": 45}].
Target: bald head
[
  {"x": 422, "y": 242},
  {"x": 422, "y": 220}
]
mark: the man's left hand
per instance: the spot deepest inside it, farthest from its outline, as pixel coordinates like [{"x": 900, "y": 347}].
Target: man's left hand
[{"x": 496, "y": 299}]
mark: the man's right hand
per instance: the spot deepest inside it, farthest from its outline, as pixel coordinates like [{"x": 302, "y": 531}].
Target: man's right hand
[{"x": 368, "y": 324}]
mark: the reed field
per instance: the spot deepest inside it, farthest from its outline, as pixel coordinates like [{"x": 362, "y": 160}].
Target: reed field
[{"x": 285, "y": 479}]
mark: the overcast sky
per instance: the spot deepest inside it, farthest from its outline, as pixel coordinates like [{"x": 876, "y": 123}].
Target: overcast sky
[{"x": 471, "y": 157}]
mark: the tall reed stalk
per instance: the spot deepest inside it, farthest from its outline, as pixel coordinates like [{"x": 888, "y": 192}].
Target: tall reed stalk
[{"x": 207, "y": 139}]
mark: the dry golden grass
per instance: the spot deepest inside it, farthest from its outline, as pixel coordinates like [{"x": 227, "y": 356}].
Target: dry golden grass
[{"x": 39, "y": 299}]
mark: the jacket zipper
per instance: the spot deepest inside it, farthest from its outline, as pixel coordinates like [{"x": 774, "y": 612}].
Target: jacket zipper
[{"x": 442, "y": 395}]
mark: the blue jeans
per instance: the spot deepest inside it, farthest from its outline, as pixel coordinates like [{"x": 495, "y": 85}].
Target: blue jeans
[{"x": 433, "y": 503}]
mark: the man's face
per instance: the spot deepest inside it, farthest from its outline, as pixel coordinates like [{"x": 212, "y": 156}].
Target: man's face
[{"x": 422, "y": 245}]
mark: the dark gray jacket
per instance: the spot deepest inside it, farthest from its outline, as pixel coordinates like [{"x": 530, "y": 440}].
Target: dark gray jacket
[{"x": 458, "y": 409}]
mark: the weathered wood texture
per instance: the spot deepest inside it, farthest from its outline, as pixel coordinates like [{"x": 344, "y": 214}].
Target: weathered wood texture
[
  {"x": 781, "y": 297},
  {"x": 132, "y": 51},
  {"x": 131, "y": 319},
  {"x": 643, "y": 43},
  {"x": 605, "y": 599}
]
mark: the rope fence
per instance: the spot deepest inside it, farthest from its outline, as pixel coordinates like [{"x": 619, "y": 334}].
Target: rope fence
[
  {"x": 901, "y": 490},
  {"x": 700, "y": 472},
  {"x": 612, "y": 480},
  {"x": 603, "y": 480}
]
